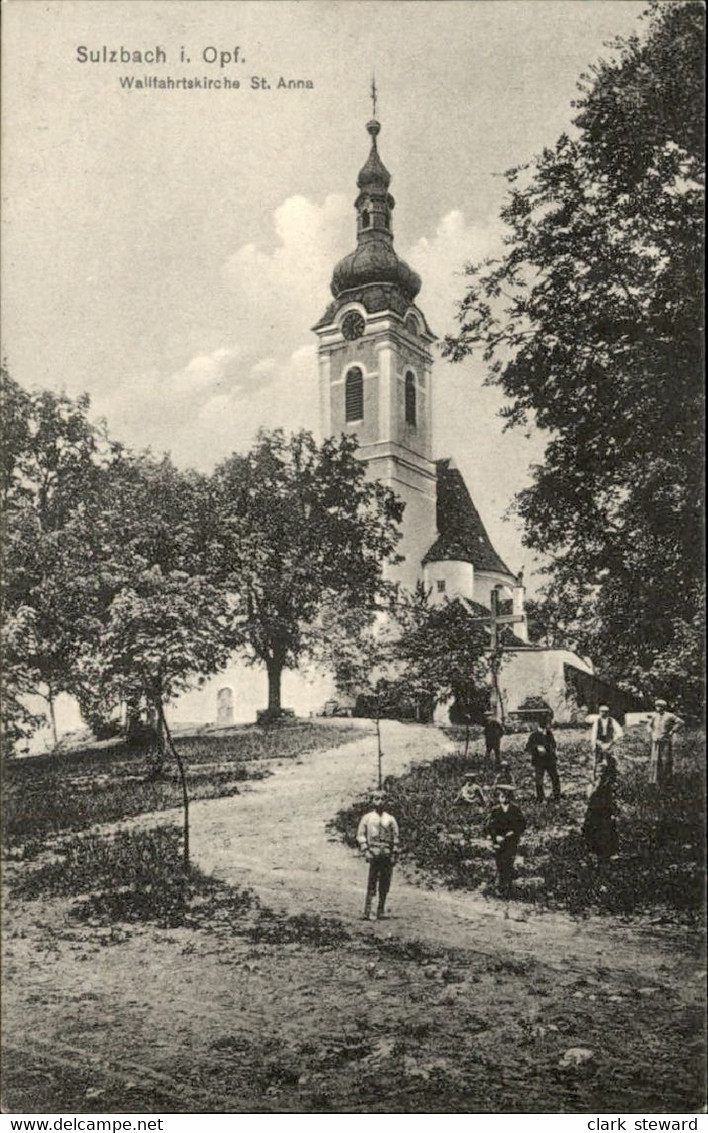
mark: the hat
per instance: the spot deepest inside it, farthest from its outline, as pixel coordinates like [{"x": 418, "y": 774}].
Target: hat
[
  {"x": 661, "y": 703},
  {"x": 508, "y": 787},
  {"x": 603, "y": 708},
  {"x": 470, "y": 774}
]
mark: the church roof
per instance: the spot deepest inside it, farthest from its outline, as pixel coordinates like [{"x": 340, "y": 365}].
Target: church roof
[{"x": 461, "y": 534}]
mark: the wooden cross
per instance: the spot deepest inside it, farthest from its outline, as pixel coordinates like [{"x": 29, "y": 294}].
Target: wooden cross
[{"x": 494, "y": 619}]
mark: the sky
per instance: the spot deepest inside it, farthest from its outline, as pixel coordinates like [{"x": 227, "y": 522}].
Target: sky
[{"x": 168, "y": 251}]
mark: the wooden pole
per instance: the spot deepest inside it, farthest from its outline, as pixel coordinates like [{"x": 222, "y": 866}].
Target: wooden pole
[{"x": 183, "y": 780}]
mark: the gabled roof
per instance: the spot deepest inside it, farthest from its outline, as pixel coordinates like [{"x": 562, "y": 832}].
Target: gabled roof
[{"x": 461, "y": 533}]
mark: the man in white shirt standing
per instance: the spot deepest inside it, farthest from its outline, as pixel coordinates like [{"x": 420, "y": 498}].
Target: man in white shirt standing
[
  {"x": 378, "y": 841},
  {"x": 604, "y": 735},
  {"x": 663, "y": 726}
]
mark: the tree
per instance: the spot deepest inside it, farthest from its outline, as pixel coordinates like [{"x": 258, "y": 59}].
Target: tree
[
  {"x": 446, "y": 656},
  {"x": 162, "y": 634},
  {"x": 54, "y": 468},
  {"x": 591, "y": 325},
  {"x": 300, "y": 527}
]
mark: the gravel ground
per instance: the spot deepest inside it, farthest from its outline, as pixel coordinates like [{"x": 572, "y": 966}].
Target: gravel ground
[{"x": 447, "y": 1007}]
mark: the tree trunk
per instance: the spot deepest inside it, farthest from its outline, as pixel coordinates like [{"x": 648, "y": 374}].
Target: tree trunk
[
  {"x": 183, "y": 779},
  {"x": 156, "y": 721},
  {"x": 275, "y": 672},
  {"x": 52, "y": 719}
]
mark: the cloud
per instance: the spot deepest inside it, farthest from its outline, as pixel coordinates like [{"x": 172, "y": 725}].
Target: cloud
[
  {"x": 267, "y": 374},
  {"x": 284, "y": 290},
  {"x": 440, "y": 262}
]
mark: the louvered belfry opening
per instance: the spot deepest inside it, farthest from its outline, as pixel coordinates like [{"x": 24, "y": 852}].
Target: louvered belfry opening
[
  {"x": 354, "y": 395},
  {"x": 411, "y": 417}
]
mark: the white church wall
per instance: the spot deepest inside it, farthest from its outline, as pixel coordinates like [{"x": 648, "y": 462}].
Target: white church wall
[
  {"x": 486, "y": 580},
  {"x": 539, "y": 672},
  {"x": 303, "y": 691},
  {"x": 457, "y": 580},
  {"x": 67, "y": 717}
]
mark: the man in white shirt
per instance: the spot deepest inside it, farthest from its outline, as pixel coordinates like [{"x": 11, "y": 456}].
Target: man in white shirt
[
  {"x": 604, "y": 734},
  {"x": 663, "y": 726},
  {"x": 378, "y": 841}
]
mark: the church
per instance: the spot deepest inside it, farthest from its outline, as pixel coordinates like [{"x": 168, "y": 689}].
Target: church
[
  {"x": 375, "y": 382},
  {"x": 375, "y": 375}
]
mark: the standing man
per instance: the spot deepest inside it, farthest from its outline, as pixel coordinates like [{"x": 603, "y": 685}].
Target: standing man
[
  {"x": 493, "y": 732},
  {"x": 541, "y": 746},
  {"x": 378, "y": 841},
  {"x": 663, "y": 726},
  {"x": 604, "y": 735},
  {"x": 505, "y": 826}
]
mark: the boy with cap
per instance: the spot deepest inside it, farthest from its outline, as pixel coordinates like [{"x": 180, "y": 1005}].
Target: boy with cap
[
  {"x": 505, "y": 826},
  {"x": 378, "y": 841},
  {"x": 663, "y": 726}
]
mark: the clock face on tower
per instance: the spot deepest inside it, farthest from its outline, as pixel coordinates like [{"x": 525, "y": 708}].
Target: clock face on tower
[{"x": 353, "y": 326}]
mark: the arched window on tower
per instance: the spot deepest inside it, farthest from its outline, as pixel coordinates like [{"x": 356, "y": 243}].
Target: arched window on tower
[
  {"x": 411, "y": 418},
  {"x": 365, "y": 218},
  {"x": 354, "y": 395}
]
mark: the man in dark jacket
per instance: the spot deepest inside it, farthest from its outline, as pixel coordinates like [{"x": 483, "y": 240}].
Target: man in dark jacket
[
  {"x": 505, "y": 826},
  {"x": 493, "y": 732},
  {"x": 541, "y": 746}
]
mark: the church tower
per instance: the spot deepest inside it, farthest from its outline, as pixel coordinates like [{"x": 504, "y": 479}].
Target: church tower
[{"x": 375, "y": 365}]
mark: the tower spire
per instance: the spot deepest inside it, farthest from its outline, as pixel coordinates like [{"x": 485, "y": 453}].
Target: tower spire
[{"x": 374, "y": 261}]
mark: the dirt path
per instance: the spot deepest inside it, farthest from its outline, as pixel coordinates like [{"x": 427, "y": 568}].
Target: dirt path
[
  {"x": 135, "y": 1018},
  {"x": 274, "y": 838}
]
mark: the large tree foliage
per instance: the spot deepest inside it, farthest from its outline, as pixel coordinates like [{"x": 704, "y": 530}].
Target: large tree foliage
[
  {"x": 300, "y": 528},
  {"x": 99, "y": 545},
  {"x": 55, "y": 465},
  {"x": 162, "y": 633},
  {"x": 591, "y": 325},
  {"x": 162, "y": 625}
]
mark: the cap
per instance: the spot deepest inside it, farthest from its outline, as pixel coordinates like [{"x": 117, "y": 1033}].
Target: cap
[
  {"x": 509, "y": 787},
  {"x": 661, "y": 703},
  {"x": 603, "y": 708}
]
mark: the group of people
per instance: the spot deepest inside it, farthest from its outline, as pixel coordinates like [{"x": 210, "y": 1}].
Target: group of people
[{"x": 378, "y": 833}]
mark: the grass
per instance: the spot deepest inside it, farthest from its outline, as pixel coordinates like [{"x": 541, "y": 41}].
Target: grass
[
  {"x": 659, "y": 870},
  {"x": 136, "y": 876},
  {"x": 50, "y": 795}
]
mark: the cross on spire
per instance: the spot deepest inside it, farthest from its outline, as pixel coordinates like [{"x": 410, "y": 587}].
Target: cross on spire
[{"x": 374, "y": 93}]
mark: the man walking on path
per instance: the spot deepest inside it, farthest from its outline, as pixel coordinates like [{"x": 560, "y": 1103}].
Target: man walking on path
[
  {"x": 604, "y": 734},
  {"x": 378, "y": 841},
  {"x": 663, "y": 726},
  {"x": 541, "y": 745},
  {"x": 493, "y": 732},
  {"x": 505, "y": 826}
]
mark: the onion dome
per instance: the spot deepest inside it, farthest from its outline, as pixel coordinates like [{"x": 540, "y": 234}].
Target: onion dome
[
  {"x": 373, "y": 172},
  {"x": 374, "y": 260}
]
